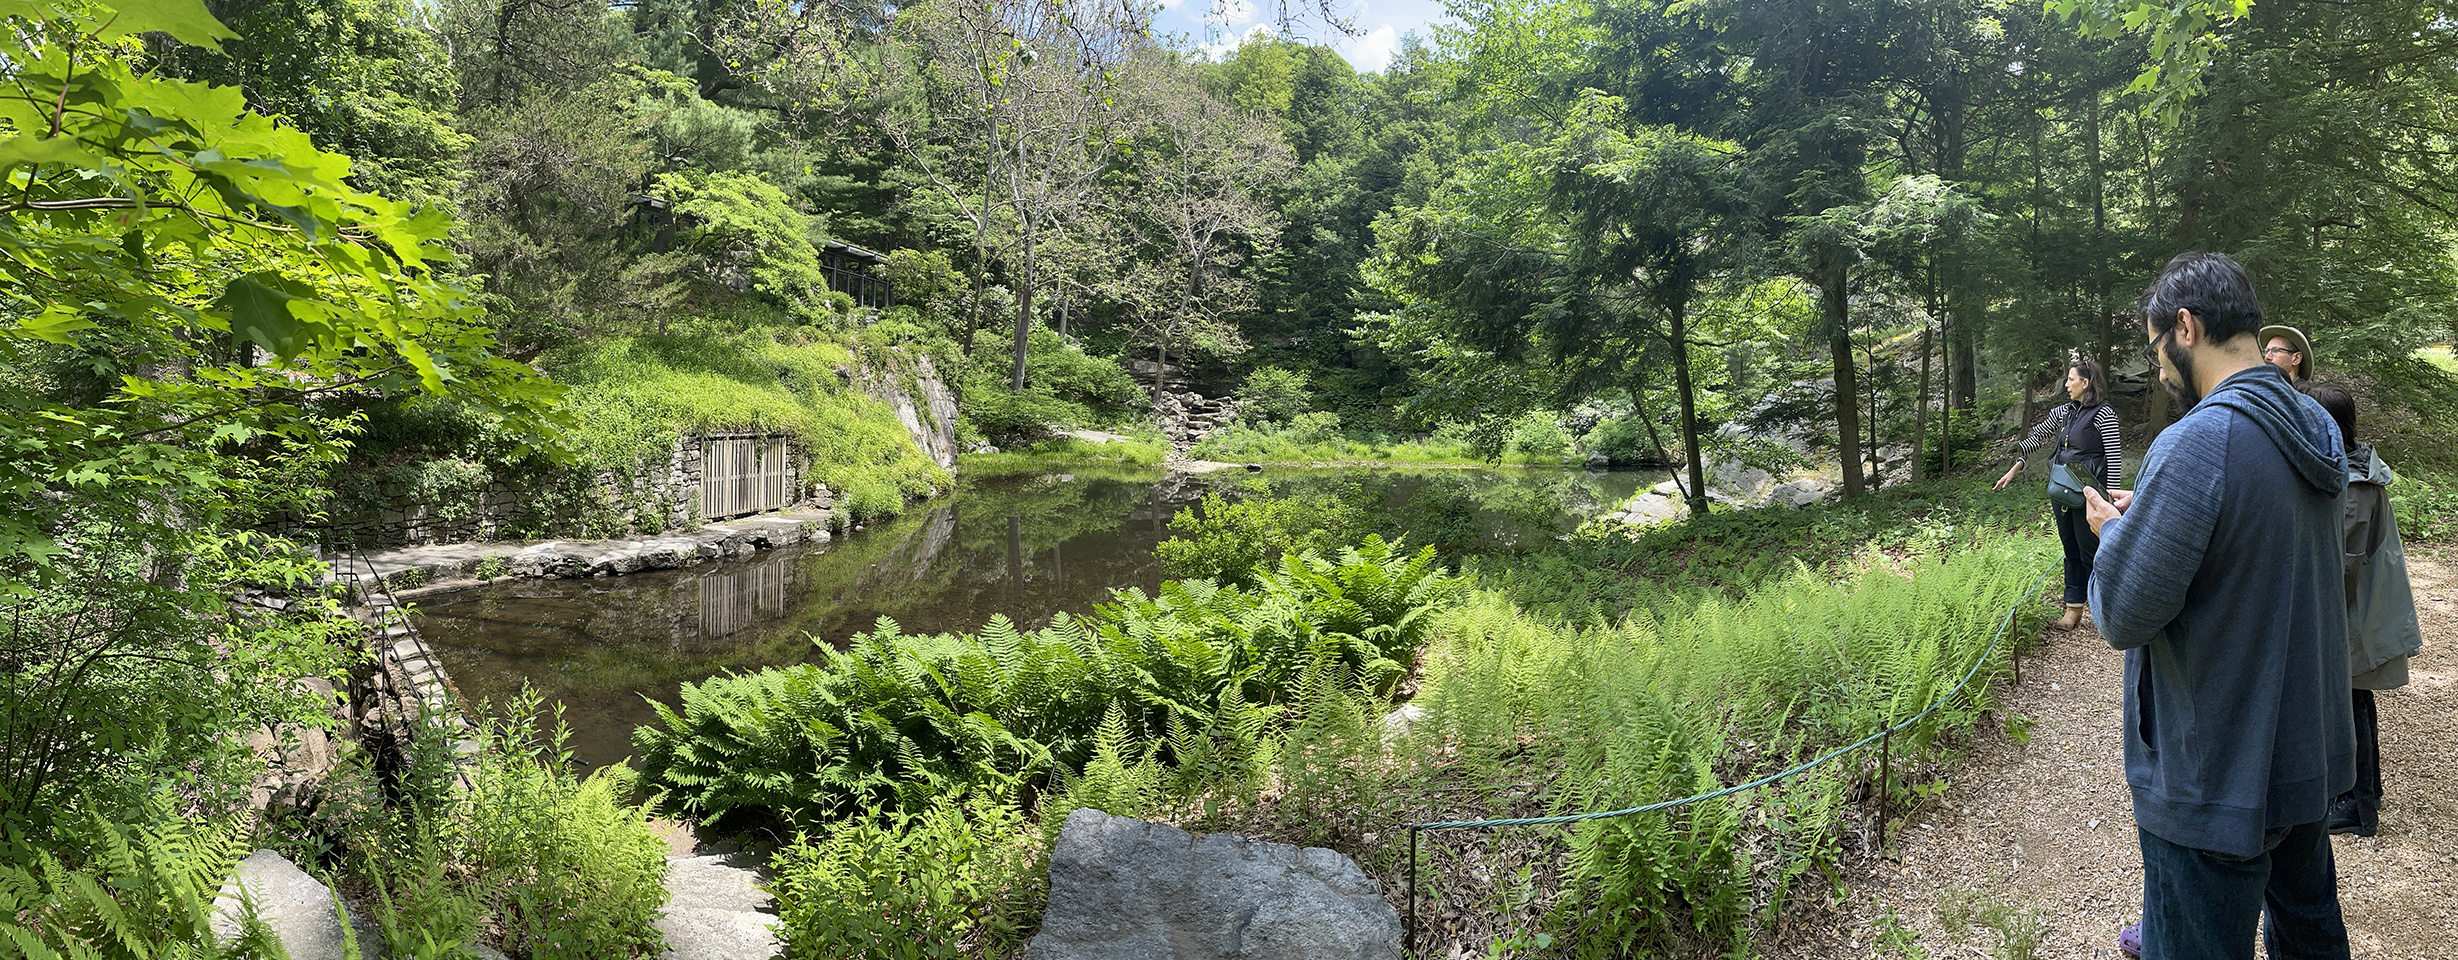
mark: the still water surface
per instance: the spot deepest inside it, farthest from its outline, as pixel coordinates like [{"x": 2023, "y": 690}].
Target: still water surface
[{"x": 1027, "y": 546}]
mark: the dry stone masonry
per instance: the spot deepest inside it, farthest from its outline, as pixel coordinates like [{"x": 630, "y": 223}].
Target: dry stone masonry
[
  {"x": 658, "y": 494},
  {"x": 1187, "y": 417}
]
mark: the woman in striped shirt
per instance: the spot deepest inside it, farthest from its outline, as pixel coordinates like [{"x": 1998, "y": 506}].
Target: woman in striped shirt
[{"x": 2086, "y": 434}]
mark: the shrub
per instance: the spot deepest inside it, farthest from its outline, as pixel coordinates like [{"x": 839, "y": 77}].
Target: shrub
[
  {"x": 1274, "y": 395},
  {"x": 958, "y": 878},
  {"x": 1318, "y": 427},
  {"x": 1063, "y": 387},
  {"x": 1622, "y": 440},
  {"x": 2427, "y": 505},
  {"x": 1535, "y": 437},
  {"x": 738, "y": 221},
  {"x": 573, "y": 870},
  {"x": 1233, "y": 541},
  {"x": 130, "y": 670},
  {"x": 548, "y": 864},
  {"x": 1008, "y": 418},
  {"x": 928, "y": 287}
]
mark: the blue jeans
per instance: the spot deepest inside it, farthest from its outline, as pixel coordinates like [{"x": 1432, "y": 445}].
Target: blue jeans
[{"x": 2200, "y": 905}]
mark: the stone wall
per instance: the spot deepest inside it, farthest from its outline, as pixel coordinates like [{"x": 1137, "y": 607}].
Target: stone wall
[{"x": 658, "y": 494}]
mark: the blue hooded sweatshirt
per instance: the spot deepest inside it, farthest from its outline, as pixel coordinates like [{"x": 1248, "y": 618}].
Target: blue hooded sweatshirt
[{"x": 2223, "y": 585}]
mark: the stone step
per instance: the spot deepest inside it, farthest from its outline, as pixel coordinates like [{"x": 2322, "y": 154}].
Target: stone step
[{"x": 713, "y": 910}]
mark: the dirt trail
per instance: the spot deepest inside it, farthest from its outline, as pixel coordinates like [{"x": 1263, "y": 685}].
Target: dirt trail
[{"x": 2043, "y": 830}]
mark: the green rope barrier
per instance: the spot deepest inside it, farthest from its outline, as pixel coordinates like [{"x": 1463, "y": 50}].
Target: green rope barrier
[{"x": 1414, "y": 829}]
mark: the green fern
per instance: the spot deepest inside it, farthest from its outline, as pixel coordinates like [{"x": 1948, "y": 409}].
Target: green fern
[
  {"x": 143, "y": 893},
  {"x": 893, "y": 719}
]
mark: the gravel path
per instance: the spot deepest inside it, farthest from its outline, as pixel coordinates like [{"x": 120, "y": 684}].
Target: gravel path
[{"x": 2034, "y": 841}]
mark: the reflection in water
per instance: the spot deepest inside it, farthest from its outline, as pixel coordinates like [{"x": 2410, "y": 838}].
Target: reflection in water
[
  {"x": 730, "y": 601},
  {"x": 1027, "y": 547}
]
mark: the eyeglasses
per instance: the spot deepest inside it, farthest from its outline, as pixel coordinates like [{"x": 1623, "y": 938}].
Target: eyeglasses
[
  {"x": 2268, "y": 352},
  {"x": 2151, "y": 351}
]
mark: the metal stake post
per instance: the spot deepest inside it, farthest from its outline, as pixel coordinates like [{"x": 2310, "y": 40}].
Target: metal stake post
[
  {"x": 1412, "y": 890},
  {"x": 1886, "y": 754}
]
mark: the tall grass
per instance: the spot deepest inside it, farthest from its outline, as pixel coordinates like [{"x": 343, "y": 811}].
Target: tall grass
[
  {"x": 1303, "y": 443},
  {"x": 1068, "y": 453},
  {"x": 1698, "y": 693}
]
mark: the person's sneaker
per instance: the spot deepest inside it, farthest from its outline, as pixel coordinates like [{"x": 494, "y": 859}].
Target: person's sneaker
[
  {"x": 2129, "y": 940},
  {"x": 2347, "y": 816}
]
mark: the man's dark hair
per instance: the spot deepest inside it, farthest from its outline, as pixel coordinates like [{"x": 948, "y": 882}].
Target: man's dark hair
[
  {"x": 2342, "y": 407},
  {"x": 2095, "y": 389},
  {"x": 2211, "y": 285}
]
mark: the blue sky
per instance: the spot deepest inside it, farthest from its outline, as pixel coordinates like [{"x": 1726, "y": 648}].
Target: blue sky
[{"x": 1219, "y": 25}]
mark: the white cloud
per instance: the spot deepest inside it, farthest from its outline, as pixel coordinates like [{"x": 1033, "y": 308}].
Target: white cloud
[
  {"x": 1226, "y": 45},
  {"x": 1371, "y": 51}
]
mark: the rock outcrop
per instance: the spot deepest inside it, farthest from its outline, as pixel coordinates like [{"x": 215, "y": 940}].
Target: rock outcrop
[
  {"x": 1187, "y": 417},
  {"x": 1124, "y": 889},
  {"x": 300, "y": 911},
  {"x": 923, "y": 403}
]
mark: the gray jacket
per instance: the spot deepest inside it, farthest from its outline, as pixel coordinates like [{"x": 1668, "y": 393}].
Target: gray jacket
[{"x": 2382, "y": 631}]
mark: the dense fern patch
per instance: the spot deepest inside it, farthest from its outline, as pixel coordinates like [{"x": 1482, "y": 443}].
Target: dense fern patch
[{"x": 893, "y": 721}]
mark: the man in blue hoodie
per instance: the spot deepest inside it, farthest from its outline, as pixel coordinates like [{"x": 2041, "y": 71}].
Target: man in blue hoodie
[{"x": 2220, "y": 578}]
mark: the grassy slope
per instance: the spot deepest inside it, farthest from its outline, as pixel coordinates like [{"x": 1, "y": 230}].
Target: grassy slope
[
  {"x": 1277, "y": 446},
  {"x": 1068, "y": 454},
  {"x": 630, "y": 395}
]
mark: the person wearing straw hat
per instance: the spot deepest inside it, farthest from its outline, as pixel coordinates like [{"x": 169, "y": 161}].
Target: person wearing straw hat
[{"x": 2286, "y": 348}]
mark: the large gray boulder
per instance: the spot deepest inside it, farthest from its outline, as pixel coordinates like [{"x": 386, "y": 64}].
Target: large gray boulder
[
  {"x": 1124, "y": 889},
  {"x": 300, "y": 910}
]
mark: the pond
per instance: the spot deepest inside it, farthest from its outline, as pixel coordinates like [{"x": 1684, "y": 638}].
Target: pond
[{"x": 1025, "y": 545}]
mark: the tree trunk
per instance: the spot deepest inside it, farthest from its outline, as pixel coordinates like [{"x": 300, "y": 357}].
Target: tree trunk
[
  {"x": 1877, "y": 470},
  {"x": 1160, "y": 371},
  {"x": 1689, "y": 410},
  {"x": 1831, "y": 298},
  {"x": 1638, "y": 405},
  {"x": 2099, "y": 238},
  {"x": 1960, "y": 333},
  {"x": 1966, "y": 362},
  {"x": 1920, "y": 397},
  {"x": 1024, "y": 312},
  {"x": 1945, "y": 408}
]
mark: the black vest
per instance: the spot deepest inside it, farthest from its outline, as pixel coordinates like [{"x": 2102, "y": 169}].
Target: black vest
[{"x": 2080, "y": 442}]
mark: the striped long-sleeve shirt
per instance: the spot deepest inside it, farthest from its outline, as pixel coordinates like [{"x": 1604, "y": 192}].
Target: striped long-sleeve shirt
[{"x": 2112, "y": 468}]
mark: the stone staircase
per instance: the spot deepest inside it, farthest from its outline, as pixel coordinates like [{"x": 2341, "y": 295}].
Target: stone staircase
[
  {"x": 713, "y": 910},
  {"x": 1187, "y": 417}
]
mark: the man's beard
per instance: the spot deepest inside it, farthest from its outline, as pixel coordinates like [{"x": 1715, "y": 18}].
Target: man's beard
[{"x": 2181, "y": 388}]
